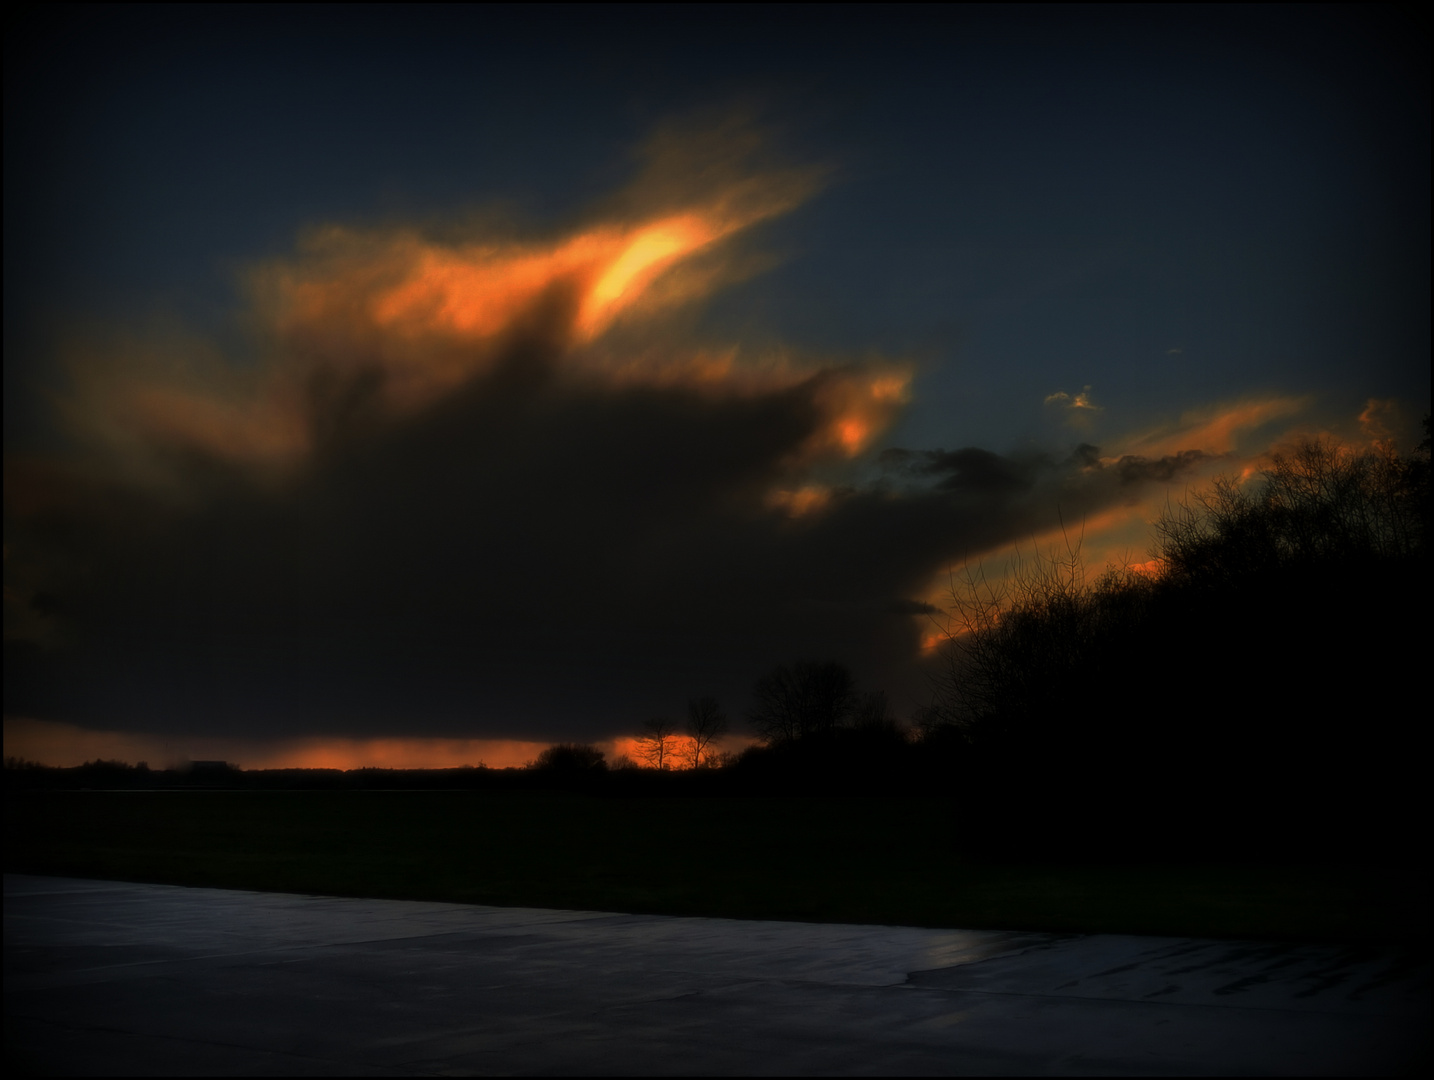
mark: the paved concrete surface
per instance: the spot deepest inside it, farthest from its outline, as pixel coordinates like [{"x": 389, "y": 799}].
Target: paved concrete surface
[{"x": 119, "y": 979}]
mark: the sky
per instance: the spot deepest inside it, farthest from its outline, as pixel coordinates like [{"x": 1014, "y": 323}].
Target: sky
[{"x": 422, "y": 386}]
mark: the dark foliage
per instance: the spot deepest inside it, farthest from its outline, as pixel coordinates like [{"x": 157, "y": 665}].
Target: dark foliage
[
  {"x": 1319, "y": 506},
  {"x": 1258, "y": 698},
  {"x": 870, "y": 759},
  {"x": 1254, "y": 698}
]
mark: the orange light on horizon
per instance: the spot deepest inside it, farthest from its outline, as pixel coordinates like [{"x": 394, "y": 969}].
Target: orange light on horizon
[
  {"x": 64, "y": 745},
  {"x": 402, "y": 753},
  {"x": 678, "y": 753}
]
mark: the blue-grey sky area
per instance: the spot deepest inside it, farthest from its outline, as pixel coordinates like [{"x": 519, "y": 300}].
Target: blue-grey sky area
[{"x": 959, "y": 264}]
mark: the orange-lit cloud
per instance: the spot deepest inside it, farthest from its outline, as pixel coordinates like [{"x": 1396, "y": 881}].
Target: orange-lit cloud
[
  {"x": 862, "y": 405},
  {"x": 413, "y": 288},
  {"x": 1234, "y": 439},
  {"x": 494, "y": 480},
  {"x": 362, "y": 327},
  {"x": 801, "y": 501},
  {"x": 1385, "y": 424},
  {"x": 564, "y": 375},
  {"x": 1218, "y": 429},
  {"x": 934, "y": 637},
  {"x": 1079, "y": 407}
]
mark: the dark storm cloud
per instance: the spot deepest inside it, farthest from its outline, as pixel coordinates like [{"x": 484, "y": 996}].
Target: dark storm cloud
[
  {"x": 968, "y": 469},
  {"x": 482, "y": 487},
  {"x": 1137, "y": 469},
  {"x": 1134, "y": 469},
  {"x": 528, "y": 555},
  {"x": 977, "y": 472}
]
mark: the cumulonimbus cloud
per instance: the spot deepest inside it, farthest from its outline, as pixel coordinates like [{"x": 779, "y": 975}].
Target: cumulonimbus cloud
[{"x": 479, "y": 486}]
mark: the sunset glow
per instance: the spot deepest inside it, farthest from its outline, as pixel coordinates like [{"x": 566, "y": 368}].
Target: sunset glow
[
  {"x": 67, "y": 745},
  {"x": 1215, "y": 430},
  {"x": 401, "y": 321},
  {"x": 362, "y": 411},
  {"x": 678, "y": 750},
  {"x": 624, "y": 279}
]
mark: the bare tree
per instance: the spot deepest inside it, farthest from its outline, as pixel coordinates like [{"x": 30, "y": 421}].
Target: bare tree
[
  {"x": 706, "y": 723},
  {"x": 1320, "y": 502},
  {"x": 796, "y": 701},
  {"x": 872, "y": 711},
  {"x": 655, "y": 744},
  {"x": 1003, "y": 632},
  {"x": 1016, "y": 644}
]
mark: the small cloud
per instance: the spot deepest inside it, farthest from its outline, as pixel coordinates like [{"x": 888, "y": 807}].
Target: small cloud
[
  {"x": 1075, "y": 402},
  {"x": 1078, "y": 409},
  {"x": 1174, "y": 352}
]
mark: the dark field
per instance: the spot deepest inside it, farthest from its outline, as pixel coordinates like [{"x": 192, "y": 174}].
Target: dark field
[{"x": 892, "y": 861}]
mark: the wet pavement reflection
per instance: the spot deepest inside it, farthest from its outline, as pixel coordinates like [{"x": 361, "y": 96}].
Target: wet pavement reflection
[{"x": 111, "y": 978}]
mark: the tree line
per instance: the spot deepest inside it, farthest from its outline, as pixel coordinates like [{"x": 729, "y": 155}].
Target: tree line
[
  {"x": 1255, "y": 689},
  {"x": 1251, "y": 690}
]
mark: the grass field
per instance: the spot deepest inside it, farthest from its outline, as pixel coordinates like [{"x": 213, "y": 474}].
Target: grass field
[{"x": 891, "y": 861}]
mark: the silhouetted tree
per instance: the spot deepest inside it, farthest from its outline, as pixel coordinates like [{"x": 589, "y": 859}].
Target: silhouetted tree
[
  {"x": 1014, "y": 644},
  {"x": 1320, "y": 503},
  {"x": 871, "y": 710},
  {"x": 655, "y": 742},
  {"x": 1082, "y": 700},
  {"x": 571, "y": 759},
  {"x": 706, "y": 723},
  {"x": 799, "y": 701}
]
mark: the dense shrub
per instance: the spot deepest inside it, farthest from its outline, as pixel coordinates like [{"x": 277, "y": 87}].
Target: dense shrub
[{"x": 1253, "y": 696}]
